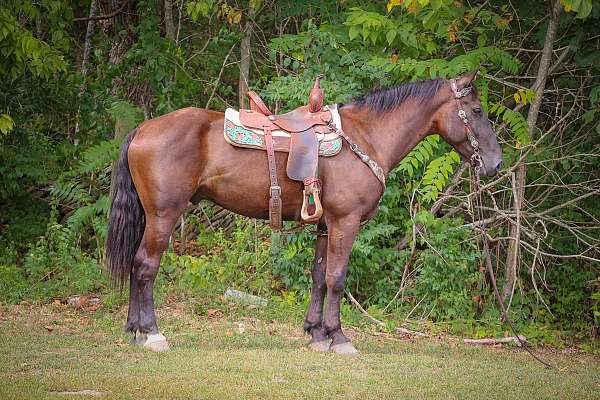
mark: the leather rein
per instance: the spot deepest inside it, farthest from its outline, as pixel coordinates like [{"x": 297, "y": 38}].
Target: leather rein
[{"x": 476, "y": 164}]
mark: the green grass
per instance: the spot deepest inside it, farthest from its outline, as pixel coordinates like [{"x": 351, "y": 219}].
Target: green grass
[{"x": 46, "y": 350}]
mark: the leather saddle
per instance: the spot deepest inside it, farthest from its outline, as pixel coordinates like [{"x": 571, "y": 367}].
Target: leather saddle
[{"x": 303, "y": 124}]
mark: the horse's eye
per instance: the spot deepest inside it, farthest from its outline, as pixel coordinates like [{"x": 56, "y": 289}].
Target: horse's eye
[{"x": 477, "y": 110}]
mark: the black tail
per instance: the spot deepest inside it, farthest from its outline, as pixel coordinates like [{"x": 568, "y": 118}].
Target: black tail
[{"x": 126, "y": 221}]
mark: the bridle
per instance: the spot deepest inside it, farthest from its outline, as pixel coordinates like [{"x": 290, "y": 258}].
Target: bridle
[
  {"x": 477, "y": 163},
  {"x": 476, "y": 160}
]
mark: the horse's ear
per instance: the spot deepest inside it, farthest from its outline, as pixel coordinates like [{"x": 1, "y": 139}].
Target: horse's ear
[{"x": 467, "y": 79}]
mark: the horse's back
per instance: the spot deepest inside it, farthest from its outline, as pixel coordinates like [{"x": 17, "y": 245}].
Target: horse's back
[
  {"x": 167, "y": 155},
  {"x": 175, "y": 125}
]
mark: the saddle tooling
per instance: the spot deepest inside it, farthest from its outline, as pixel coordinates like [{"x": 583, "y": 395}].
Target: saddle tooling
[{"x": 304, "y": 133}]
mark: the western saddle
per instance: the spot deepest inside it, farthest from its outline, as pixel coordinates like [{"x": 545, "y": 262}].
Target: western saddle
[{"x": 303, "y": 124}]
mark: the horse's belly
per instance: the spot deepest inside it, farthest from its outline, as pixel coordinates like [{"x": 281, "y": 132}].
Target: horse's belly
[{"x": 245, "y": 191}]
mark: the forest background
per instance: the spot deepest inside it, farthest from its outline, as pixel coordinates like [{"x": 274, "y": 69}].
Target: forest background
[{"x": 78, "y": 75}]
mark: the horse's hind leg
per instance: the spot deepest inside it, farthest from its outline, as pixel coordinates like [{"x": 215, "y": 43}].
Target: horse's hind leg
[
  {"x": 145, "y": 268},
  {"x": 313, "y": 323},
  {"x": 133, "y": 313}
]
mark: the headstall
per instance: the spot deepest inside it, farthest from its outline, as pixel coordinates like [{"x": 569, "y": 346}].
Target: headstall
[{"x": 458, "y": 94}]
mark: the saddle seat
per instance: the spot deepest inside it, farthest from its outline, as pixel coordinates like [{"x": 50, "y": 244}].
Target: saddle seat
[
  {"x": 305, "y": 133},
  {"x": 239, "y": 135}
]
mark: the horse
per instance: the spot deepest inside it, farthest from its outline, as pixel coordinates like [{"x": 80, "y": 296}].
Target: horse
[{"x": 182, "y": 157}]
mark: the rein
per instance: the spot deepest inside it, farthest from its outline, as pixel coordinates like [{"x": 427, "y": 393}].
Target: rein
[{"x": 476, "y": 165}]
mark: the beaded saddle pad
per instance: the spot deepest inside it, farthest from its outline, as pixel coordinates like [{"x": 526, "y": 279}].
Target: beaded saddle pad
[{"x": 238, "y": 135}]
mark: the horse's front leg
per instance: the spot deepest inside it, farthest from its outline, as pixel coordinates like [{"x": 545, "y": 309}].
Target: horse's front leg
[
  {"x": 313, "y": 323},
  {"x": 341, "y": 235}
]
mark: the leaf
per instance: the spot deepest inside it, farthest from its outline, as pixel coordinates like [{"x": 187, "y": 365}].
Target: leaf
[
  {"x": 517, "y": 97},
  {"x": 515, "y": 121},
  {"x": 255, "y": 4},
  {"x": 6, "y": 124},
  {"x": 393, "y": 3},
  {"x": 353, "y": 32},
  {"x": 391, "y": 35},
  {"x": 585, "y": 9},
  {"x": 437, "y": 174}
]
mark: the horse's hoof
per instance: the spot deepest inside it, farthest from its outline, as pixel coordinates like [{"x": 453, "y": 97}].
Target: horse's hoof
[
  {"x": 321, "y": 346},
  {"x": 345, "y": 348},
  {"x": 156, "y": 342}
]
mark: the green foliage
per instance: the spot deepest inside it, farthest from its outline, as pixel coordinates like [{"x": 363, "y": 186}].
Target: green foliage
[
  {"x": 524, "y": 96},
  {"x": 449, "y": 275},
  {"x": 595, "y": 297},
  {"x": 330, "y": 53},
  {"x": 13, "y": 284},
  {"x": 82, "y": 190},
  {"x": 515, "y": 121},
  {"x": 293, "y": 257},
  {"x": 582, "y": 8},
  {"x": 53, "y": 268},
  {"x": 201, "y": 8},
  {"x": 21, "y": 50},
  {"x": 6, "y": 124},
  {"x": 241, "y": 261},
  {"x": 437, "y": 174},
  {"x": 419, "y": 156},
  {"x": 375, "y": 28}
]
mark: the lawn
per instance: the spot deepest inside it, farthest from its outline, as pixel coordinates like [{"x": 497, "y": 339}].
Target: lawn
[{"x": 58, "y": 352}]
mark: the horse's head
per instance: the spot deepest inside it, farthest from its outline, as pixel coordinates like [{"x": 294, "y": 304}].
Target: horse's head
[{"x": 465, "y": 126}]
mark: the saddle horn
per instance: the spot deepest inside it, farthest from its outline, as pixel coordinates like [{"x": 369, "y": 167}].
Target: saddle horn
[{"x": 315, "y": 99}]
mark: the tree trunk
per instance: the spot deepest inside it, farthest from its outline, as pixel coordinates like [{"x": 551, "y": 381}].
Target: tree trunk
[
  {"x": 87, "y": 49},
  {"x": 245, "y": 58},
  {"x": 87, "y": 46},
  {"x": 512, "y": 258},
  {"x": 169, "y": 24}
]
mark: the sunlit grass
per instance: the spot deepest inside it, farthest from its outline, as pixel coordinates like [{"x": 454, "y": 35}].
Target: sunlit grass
[{"x": 222, "y": 353}]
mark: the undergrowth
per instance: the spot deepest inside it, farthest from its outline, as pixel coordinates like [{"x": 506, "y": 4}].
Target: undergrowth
[{"x": 445, "y": 291}]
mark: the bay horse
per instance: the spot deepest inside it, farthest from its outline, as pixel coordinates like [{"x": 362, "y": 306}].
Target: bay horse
[{"x": 180, "y": 157}]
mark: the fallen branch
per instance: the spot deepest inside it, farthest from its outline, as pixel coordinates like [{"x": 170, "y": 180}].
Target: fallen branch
[{"x": 492, "y": 341}]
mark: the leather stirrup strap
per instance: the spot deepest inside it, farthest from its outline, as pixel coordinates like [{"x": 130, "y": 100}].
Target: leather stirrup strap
[{"x": 275, "y": 189}]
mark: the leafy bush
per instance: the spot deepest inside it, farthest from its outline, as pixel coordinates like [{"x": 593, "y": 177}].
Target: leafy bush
[
  {"x": 240, "y": 260},
  {"x": 13, "y": 285},
  {"x": 449, "y": 275},
  {"x": 55, "y": 268}
]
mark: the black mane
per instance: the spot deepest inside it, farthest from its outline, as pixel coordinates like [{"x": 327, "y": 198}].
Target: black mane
[{"x": 386, "y": 99}]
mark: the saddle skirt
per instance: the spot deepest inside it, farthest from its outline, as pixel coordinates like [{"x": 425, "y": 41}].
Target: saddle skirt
[{"x": 238, "y": 135}]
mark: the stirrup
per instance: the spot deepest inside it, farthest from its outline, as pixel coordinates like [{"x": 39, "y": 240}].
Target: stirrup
[{"x": 311, "y": 188}]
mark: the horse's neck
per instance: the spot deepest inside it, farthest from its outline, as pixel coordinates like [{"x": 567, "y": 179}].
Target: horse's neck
[{"x": 389, "y": 136}]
